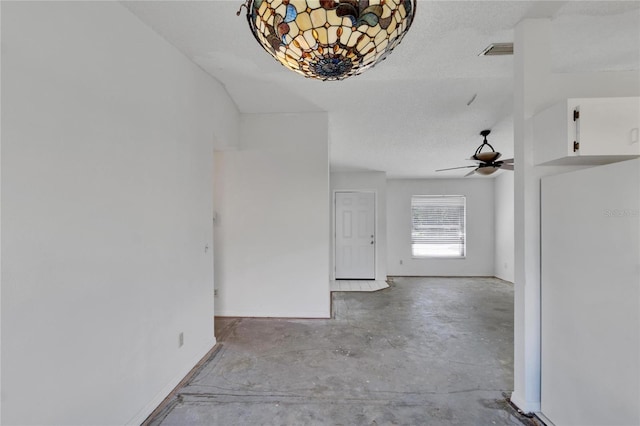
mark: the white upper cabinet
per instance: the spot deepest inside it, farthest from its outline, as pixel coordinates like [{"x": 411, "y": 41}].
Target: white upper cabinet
[{"x": 587, "y": 131}]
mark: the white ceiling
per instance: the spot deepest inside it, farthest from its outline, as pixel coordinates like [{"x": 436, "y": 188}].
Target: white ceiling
[{"x": 408, "y": 116}]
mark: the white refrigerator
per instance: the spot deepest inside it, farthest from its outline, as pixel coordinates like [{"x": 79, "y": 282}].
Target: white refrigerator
[{"x": 590, "y": 296}]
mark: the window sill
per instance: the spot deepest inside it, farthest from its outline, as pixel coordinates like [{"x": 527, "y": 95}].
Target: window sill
[{"x": 438, "y": 257}]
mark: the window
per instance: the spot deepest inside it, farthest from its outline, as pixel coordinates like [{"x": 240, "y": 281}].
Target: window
[{"x": 437, "y": 226}]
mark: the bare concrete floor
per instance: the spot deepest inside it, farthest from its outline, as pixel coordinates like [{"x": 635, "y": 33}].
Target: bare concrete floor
[{"x": 436, "y": 351}]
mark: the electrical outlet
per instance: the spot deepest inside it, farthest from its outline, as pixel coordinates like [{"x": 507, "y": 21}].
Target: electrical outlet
[
  {"x": 401, "y": 261},
  {"x": 180, "y": 339},
  {"x": 215, "y": 292}
]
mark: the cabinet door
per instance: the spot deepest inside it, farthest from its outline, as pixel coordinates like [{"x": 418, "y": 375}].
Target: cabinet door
[{"x": 608, "y": 126}]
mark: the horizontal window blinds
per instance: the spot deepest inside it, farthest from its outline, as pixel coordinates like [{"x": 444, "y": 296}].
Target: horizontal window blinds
[{"x": 438, "y": 226}]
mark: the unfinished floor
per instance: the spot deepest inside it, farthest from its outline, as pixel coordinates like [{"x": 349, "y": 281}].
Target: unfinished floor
[{"x": 436, "y": 351}]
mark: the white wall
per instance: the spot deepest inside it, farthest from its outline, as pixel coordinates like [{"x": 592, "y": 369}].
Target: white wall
[
  {"x": 272, "y": 227},
  {"x": 503, "y": 208},
  {"x": 107, "y": 153},
  {"x": 480, "y": 227},
  {"x": 536, "y": 88},
  {"x": 367, "y": 182}
]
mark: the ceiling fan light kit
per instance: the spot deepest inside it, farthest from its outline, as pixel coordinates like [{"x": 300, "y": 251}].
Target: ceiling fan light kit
[
  {"x": 486, "y": 157},
  {"x": 488, "y": 162},
  {"x": 486, "y": 170},
  {"x": 329, "y": 39}
]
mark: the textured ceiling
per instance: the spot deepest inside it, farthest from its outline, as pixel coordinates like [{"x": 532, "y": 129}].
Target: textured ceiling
[{"x": 408, "y": 116}]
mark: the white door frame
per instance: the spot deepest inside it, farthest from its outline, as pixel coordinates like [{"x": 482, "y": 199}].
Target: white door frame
[{"x": 375, "y": 227}]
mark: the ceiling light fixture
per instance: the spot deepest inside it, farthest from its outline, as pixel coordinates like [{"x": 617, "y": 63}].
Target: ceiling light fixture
[
  {"x": 329, "y": 39},
  {"x": 488, "y": 162}
]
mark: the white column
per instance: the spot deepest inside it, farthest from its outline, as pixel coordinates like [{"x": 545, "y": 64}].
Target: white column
[{"x": 531, "y": 79}]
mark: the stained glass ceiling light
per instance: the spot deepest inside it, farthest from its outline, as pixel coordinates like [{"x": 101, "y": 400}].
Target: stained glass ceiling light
[{"x": 329, "y": 39}]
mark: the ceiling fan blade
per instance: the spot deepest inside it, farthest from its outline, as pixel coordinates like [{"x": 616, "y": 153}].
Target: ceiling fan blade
[
  {"x": 507, "y": 167},
  {"x": 470, "y": 173},
  {"x": 455, "y": 168},
  {"x": 509, "y": 160}
]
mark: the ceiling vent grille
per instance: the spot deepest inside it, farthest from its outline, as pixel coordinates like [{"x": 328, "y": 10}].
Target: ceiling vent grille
[{"x": 498, "y": 49}]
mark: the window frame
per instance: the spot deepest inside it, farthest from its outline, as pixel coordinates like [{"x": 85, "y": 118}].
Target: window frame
[{"x": 463, "y": 247}]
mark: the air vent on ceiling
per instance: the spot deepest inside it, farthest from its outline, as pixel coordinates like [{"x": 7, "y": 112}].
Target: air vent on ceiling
[{"x": 497, "y": 49}]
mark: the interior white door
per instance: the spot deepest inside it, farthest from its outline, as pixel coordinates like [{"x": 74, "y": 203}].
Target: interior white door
[{"x": 355, "y": 235}]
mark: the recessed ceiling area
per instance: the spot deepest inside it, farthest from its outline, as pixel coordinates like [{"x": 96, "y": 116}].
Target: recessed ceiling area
[{"x": 408, "y": 116}]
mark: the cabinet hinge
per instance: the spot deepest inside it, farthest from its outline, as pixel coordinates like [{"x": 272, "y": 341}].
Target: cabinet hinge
[
  {"x": 576, "y": 115},
  {"x": 576, "y": 146}
]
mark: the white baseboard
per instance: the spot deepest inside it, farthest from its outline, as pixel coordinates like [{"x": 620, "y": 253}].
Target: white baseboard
[
  {"x": 544, "y": 419},
  {"x": 142, "y": 415},
  {"x": 256, "y": 313},
  {"x": 528, "y": 407}
]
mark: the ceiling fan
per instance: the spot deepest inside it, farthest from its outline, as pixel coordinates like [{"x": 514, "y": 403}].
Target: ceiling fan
[{"x": 488, "y": 162}]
